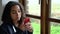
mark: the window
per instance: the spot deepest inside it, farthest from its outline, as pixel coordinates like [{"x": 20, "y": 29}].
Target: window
[
  {"x": 55, "y": 9},
  {"x": 33, "y": 7},
  {"x": 36, "y": 25},
  {"x": 49, "y": 10},
  {"x": 54, "y": 28},
  {"x": 55, "y": 17}
]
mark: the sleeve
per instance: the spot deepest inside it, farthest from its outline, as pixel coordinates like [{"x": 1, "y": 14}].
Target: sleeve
[
  {"x": 18, "y": 31},
  {"x": 30, "y": 32},
  {"x": 24, "y": 32}
]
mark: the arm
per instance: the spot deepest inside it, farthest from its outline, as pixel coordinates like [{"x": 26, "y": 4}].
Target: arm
[
  {"x": 29, "y": 28},
  {"x": 30, "y": 32}
]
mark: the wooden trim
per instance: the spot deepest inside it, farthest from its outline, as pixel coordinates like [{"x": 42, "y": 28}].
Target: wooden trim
[
  {"x": 45, "y": 25},
  {"x": 54, "y": 20},
  {"x": 43, "y": 16},
  {"x": 33, "y": 16},
  {"x": 47, "y": 16}
]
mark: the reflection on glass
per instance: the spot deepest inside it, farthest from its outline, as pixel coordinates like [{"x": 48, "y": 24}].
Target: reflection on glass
[
  {"x": 55, "y": 9},
  {"x": 54, "y": 28},
  {"x": 36, "y": 25},
  {"x": 33, "y": 7}
]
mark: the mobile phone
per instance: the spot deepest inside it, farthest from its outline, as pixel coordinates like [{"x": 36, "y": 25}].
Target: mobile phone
[{"x": 26, "y": 20}]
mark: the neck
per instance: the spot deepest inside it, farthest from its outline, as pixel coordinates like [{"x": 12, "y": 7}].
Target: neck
[{"x": 15, "y": 23}]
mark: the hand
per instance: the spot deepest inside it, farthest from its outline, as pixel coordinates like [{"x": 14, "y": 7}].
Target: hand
[
  {"x": 29, "y": 27},
  {"x": 22, "y": 27}
]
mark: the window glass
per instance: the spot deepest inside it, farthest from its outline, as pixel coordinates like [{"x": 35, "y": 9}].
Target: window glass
[
  {"x": 33, "y": 7},
  {"x": 54, "y": 28},
  {"x": 36, "y": 25},
  {"x": 55, "y": 9}
]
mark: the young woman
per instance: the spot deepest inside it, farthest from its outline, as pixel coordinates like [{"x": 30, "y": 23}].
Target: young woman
[{"x": 13, "y": 20}]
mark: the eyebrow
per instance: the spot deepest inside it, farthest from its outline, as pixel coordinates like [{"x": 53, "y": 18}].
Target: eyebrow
[{"x": 15, "y": 11}]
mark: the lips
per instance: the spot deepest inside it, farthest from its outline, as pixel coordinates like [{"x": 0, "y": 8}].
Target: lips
[{"x": 26, "y": 20}]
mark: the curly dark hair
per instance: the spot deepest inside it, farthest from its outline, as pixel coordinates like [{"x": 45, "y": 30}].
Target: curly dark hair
[{"x": 6, "y": 13}]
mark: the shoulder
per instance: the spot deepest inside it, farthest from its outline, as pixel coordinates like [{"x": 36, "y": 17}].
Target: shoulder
[
  {"x": 4, "y": 26},
  {"x": 4, "y": 29}
]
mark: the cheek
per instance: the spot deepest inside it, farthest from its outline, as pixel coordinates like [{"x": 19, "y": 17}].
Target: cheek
[
  {"x": 19, "y": 15},
  {"x": 13, "y": 16}
]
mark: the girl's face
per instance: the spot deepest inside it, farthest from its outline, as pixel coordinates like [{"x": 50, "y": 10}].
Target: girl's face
[{"x": 15, "y": 13}]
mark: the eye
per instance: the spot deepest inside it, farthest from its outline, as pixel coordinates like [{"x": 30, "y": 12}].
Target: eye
[
  {"x": 19, "y": 11},
  {"x": 13, "y": 12}
]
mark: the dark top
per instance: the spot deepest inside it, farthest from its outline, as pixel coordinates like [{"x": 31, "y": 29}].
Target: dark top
[{"x": 7, "y": 28}]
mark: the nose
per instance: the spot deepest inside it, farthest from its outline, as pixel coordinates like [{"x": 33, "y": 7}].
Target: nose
[{"x": 17, "y": 13}]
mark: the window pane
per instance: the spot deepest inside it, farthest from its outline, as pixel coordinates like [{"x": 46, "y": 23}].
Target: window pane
[
  {"x": 36, "y": 25},
  {"x": 33, "y": 7},
  {"x": 55, "y": 9},
  {"x": 54, "y": 28}
]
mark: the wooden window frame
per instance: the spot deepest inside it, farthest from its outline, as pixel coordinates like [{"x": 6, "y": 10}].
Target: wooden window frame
[{"x": 45, "y": 19}]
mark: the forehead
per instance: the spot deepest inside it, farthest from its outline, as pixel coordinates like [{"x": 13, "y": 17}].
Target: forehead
[{"x": 15, "y": 7}]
